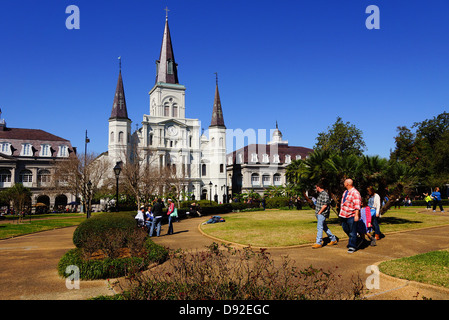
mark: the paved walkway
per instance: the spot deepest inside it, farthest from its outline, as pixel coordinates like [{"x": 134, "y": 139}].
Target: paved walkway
[{"x": 28, "y": 263}]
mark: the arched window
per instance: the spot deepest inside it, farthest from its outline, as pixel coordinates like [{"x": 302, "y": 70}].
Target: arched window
[
  {"x": 120, "y": 136},
  {"x": 166, "y": 110},
  {"x": 277, "y": 179},
  {"x": 43, "y": 176},
  {"x": 5, "y": 175},
  {"x": 25, "y": 177},
  {"x": 112, "y": 137},
  {"x": 266, "y": 180},
  {"x": 255, "y": 180},
  {"x": 175, "y": 110},
  {"x": 203, "y": 170}
]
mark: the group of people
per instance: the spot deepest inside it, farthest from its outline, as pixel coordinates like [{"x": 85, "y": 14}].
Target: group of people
[
  {"x": 359, "y": 217},
  {"x": 435, "y": 199},
  {"x": 152, "y": 217}
]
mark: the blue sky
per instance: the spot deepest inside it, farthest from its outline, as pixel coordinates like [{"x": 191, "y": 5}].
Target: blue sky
[{"x": 302, "y": 63}]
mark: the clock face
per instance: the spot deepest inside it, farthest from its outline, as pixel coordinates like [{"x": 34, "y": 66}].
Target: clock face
[{"x": 172, "y": 130}]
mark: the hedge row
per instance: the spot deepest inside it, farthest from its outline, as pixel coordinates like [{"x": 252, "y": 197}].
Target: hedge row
[{"x": 109, "y": 234}]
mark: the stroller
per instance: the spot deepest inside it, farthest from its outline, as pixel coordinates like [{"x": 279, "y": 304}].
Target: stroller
[{"x": 364, "y": 226}]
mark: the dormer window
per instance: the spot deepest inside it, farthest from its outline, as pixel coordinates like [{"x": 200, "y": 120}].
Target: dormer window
[
  {"x": 254, "y": 157},
  {"x": 5, "y": 147},
  {"x": 298, "y": 157},
  {"x": 288, "y": 158},
  {"x": 276, "y": 158},
  {"x": 63, "y": 151},
  {"x": 45, "y": 150},
  {"x": 265, "y": 158},
  {"x": 26, "y": 149},
  {"x": 239, "y": 158}
]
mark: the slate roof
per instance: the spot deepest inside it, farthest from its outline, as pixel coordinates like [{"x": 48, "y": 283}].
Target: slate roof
[
  {"x": 217, "y": 112},
  {"x": 36, "y": 137},
  {"x": 119, "y": 110},
  {"x": 164, "y": 58},
  {"x": 271, "y": 149}
]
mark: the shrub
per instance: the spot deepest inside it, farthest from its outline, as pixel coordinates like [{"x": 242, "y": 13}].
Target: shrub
[
  {"x": 223, "y": 273},
  {"x": 111, "y": 245},
  {"x": 277, "y": 202},
  {"x": 92, "y": 269},
  {"x": 101, "y": 229}
]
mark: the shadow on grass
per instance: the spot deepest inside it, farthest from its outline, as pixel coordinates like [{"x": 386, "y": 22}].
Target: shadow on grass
[{"x": 383, "y": 220}]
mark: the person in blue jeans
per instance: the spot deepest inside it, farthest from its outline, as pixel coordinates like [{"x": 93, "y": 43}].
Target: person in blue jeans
[
  {"x": 157, "y": 218},
  {"x": 322, "y": 210},
  {"x": 436, "y": 196}
]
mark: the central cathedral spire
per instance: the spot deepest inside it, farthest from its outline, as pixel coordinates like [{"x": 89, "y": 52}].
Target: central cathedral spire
[{"x": 167, "y": 69}]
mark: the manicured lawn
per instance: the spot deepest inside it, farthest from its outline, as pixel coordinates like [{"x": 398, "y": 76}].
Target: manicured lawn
[
  {"x": 431, "y": 268},
  {"x": 11, "y": 228},
  {"x": 275, "y": 228}
]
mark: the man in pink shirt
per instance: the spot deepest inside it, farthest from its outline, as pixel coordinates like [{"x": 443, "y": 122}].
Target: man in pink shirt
[{"x": 350, "y": 213}]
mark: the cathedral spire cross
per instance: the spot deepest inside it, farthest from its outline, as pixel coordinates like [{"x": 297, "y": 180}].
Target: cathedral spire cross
[
  {"x": 216, "y": 78},
  {"x": 120, "y": 63},
  {"x": 166, "y": 13}
]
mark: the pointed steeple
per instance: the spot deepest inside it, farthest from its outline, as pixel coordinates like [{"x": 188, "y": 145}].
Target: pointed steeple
[
  {"x": 217, "y": 112},
  {"x": 119, "y": 110},
  {"x": 167, "y": 69}
]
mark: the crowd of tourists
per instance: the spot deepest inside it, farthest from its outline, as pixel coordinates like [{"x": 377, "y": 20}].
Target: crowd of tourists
[
  {"x": 360, "y": 217},
  {"x": 151, "y": 217}
]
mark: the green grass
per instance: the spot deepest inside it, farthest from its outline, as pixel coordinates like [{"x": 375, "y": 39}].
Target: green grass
[
  {"x": 276, "y": 228},
  {"x": 47, "y": 222},
  {"x": 431, "y": 268}
]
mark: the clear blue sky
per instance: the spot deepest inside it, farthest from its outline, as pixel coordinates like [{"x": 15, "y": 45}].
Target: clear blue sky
[{"x": 302, "y": 63}]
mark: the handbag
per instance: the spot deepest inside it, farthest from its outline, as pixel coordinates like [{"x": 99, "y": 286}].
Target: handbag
[{"x": 174, "y": 214}]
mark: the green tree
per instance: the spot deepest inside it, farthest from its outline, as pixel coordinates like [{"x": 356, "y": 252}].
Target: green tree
[
  {"x": 424, "y": 147},
  {"x": 389, "y": 178},
  {"x": 19, "y": 195},
  {"x": 341, "y": 138}
]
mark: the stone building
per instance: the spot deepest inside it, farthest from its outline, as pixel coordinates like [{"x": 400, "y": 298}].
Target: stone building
[
  {"x": 28, "y": 156},
  {"x": 255, "y": 167},
  {"x": 166, "y": 137}
]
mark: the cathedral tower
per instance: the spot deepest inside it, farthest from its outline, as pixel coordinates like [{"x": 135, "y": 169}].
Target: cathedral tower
[
  {"x": 119, "y": 125},
  {"x": 167, "y": 98},
  {"x": 217, "y": 149}
]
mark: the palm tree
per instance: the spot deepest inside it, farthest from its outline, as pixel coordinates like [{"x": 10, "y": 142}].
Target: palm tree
[{"x": 333, "y": 169}]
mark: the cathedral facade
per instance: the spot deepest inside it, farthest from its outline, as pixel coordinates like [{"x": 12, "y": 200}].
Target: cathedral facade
[{"x": 166, "y": 138}]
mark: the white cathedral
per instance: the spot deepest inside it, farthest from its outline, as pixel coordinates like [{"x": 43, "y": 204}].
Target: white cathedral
[{"x": 167, "y": 137}]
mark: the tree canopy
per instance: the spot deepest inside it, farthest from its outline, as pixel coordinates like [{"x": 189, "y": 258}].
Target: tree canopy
[
  {"x": 341, "y": 138},
  {"x": 424, "y": 146},
  {"x": 390, "y": 178}
]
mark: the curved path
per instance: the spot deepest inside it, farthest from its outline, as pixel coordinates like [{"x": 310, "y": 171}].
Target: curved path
[{"x": 28, "y": 263}]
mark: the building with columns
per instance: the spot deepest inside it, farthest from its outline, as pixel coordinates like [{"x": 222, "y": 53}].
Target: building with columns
[
  {"x": 166, "y": 138},
  {"x": 256, "y": 167},
  {"x": 28, "y": 156}
]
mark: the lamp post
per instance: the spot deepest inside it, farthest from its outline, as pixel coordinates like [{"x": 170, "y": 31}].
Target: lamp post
[
  {"x": 210, "y": 192},
  {"x": 89, "y": 197},
  {"x": 117, "y": 170}
]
